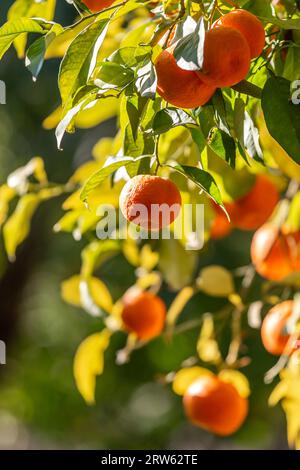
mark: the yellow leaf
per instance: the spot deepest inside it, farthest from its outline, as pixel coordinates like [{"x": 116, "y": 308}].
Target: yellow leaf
[
  {"x": 207, "y": 346},
  {"x": 51, "y": 121},
  {"x": 70, "y": 292},
  {"x": 104, "y": 109},
  {"x": 102, "y": 149},
  {"x": 178, "y": 304},
  {"x": 131, "y": 251},
  {"x": 149, "y": 280},
  {"x": 17, "y": 226},
  {"x": 89, "y": 362},
  {"x": 6, "y": 195},
  {"x": 185, "y": 377},
  {"x": 216, "y": 281},
  {"x": 237, "y": 379},
  {"x": 148, "y": 258},
  {"x": 84, "y": 172}
]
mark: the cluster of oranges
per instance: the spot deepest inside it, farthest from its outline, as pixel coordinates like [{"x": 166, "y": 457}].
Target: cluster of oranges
[{"x": 229, "y": 46}]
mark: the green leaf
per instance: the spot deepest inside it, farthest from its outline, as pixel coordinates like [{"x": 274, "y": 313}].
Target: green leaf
[
  {"x": 202, "y": 179},
  {"x": 113, "y": 74},
  {"x": 97, "y": 178},
  {"x": 168, "y": 118},
  {"x": 80, "y": 59},
  {"x": 248, "y": 88},
  {"x": 29, "y": 9},
  {"x": 36, "y": 52},
  {"x": 282, "y": 116},
  {"x": 12, "y": 29},
  {"x": 223, "y": 145},
  {"x": 130, "y": 56},
  {"x": 189, "y": 51},
  {"x": 291, "y": 69},
  {"x": 283, "y": 24}
]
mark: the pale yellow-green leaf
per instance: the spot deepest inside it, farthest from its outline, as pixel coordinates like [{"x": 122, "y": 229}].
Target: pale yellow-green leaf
[
  {"x": 176, "y": 264},
  {"x": 216, "y": 281},
  {"x": 207, "y": 346},
  {"x": 11, "y": 30},
  {"x": 17, "y": 227},
  {"x": 149, "y": 280},
  {"x": 131, "y": 251},
  {"x": 103, "y": 149},
  {"x": 237, "y": 379},
  {"x": 84, "y": 172},
  {"x": 6, "y": 195},
  {"x": 185, "y": 377},
  {"x": 89, "y": 362},
  {"x": 70, "y": 292},
  {"x": 148, "y": 258},
  {"x": 178, "y": 304}
]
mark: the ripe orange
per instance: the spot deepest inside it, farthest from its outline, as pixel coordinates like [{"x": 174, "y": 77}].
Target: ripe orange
[
  {"x": 149, "y": 201},
  {"x": 143, "y": 314},
  {"x": 220, "y": 227},
  {"x": 215, "y": 405},
  {"x": 275, "y": 255},
  {"x": 97, "y": 5},
  {"x": 180, "y": 87},
  {"x": 252, "y": 210},
  {"x": 273, "y": 331},
  {"x": 270, "y": 254},
  {"x": 226, "y": 57},
  {"x": 249, "y": 26}
]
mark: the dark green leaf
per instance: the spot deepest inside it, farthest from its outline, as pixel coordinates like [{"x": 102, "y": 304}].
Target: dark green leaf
[
  {"x": 223, "y": 145},
  {"x": 248, "y": 88},
  {"x": 168, "y": 118},
  {"x": 282, "y": 116}
]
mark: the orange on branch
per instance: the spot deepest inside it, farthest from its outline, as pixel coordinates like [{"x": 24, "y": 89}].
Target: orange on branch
[
  {"x": 97, "y": 5},
  {"x": 149, "y": 201},
  {"x": 182, "y": 88},
  {"x": 226, "y": 57},
  {"x": 274, "y": 334},
  {"x": 143, "y": 314},
  {"x": 270, "y": 253},
  {"x": 215, "y": 405},
  {"x": 252, "y": 210},
  {"x": 249, "y": 26}
]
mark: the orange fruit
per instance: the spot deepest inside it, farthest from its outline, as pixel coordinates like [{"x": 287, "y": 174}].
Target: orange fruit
[
  {"x": 252, "y": 210},
  {"x": 215, "y": 405},
  {"x": 182, "y": 88},
  {"x": 149, "y": 201},
  {"x": 274, "y": 254},
  {"x": 97, "y": 5},
  {"x": 270, "y": 253},
  {"x": 220, "y": 227},
  {"x": 249, "y": 26},
  {"x": 226, "y": 57},
  {"x": 143, "y": 314},
  {"x": 273, "y": 330}
]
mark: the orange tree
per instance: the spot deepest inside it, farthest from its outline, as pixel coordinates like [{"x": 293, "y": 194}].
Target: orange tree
[{"x": 206, "y": 95}]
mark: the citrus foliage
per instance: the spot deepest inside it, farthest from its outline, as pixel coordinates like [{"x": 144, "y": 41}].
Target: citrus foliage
[{"x": 234, "y": 147}]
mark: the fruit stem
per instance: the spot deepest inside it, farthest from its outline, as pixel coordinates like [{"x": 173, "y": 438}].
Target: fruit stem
[{"x": 158, "y": 164}]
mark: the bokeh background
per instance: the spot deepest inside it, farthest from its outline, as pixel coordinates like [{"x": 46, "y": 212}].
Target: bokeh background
[{"x": 40, "y": 407}]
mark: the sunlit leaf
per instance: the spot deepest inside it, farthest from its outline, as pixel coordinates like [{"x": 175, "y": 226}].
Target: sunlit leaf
[
  {"x": 89, "y": 362},
  {"x": 185, "y": 377},
  {"x": 237, "y": 379},
  {"x": 216, "y": 281}
]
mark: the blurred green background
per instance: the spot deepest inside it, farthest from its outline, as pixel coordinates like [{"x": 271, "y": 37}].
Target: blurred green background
[{"x": 40, "y": 407}]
